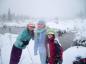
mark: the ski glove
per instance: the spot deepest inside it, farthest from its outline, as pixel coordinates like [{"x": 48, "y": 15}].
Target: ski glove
[{"x": 25, "y": 43}]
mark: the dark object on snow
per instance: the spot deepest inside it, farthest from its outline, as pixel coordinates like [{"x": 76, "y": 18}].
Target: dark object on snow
[
  {"x": 25, "y": 43},
  {"x": 79, "y": 43},
  {"x": 80, "y": 60},
  {"x": 15, "y": 55}
]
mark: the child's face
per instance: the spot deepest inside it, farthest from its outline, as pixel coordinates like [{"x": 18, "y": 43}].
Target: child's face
[{"x": 50, "y": 35}]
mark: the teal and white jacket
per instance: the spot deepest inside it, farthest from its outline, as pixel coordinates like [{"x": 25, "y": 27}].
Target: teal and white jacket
[{"x": 23, "y": 38}]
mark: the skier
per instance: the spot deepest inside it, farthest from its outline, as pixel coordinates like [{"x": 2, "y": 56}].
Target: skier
[
  {"x": 21, "y": 42},
  {"x": 54, "y": 49},
  {"x": 40, "y": 37}
]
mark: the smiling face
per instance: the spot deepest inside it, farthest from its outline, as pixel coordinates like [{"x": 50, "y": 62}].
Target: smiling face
[{"x": 31, "y": 27}]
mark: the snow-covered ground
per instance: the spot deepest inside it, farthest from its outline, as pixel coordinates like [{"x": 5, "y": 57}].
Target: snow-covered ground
[
  {"x": 28, "y": 57},
  {"x": 71, "y": 53},
  {"x": 7, "y": 40}
]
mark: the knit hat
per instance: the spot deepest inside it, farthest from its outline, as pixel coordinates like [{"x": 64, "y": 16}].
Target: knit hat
[
  {"x": 41, "y": 22},
  {"x": 51, "y": 31}
]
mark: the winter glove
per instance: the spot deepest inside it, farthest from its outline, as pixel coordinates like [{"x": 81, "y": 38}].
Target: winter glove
[{"x": 25, "y": 43}]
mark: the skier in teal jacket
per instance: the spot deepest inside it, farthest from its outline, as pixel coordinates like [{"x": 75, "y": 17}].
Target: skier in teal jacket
[{"x": 21, "y": 42}]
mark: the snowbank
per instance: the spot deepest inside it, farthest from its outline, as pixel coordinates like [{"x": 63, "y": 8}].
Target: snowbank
[{"x": 71, "y": 53}]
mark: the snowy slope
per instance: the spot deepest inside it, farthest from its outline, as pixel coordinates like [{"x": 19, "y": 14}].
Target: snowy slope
[{"x": 71, "y": 53}]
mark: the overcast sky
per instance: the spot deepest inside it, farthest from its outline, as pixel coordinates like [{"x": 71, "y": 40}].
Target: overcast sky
[{"x": 43, "y": 8}]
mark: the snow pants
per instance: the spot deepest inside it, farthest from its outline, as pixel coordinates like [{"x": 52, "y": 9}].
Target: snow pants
[{"x": 15, "y": 55}]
